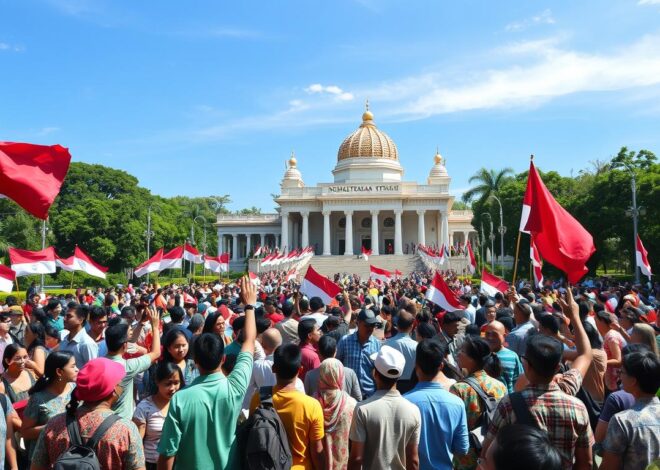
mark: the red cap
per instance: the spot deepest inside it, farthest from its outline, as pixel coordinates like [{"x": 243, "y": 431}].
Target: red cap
[{"x": 97, "y": 379}]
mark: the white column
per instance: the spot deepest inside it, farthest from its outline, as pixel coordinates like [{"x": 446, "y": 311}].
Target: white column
[
  {"x": 305, "y": 229},
  {"x": 327, "y": 251},
  {"x": 234, "y": 248},
  {"x": 438, "y": 230},
  {"x": 284, "y": 243},
  {"x": 374, "y": 232},
  {"x": 451, "y": 238},
  {"x": 398, "y": 242},
  {"x": 263, "y": 239},
  {"x": 295, "y": 235},
  {"x": 421, "y": 229},
  {"x": 465, "y": 237},
  {"x": 248, "y": 243},
  {"x": 349, "y": 232},
  {"x": 445, "y": 229}
]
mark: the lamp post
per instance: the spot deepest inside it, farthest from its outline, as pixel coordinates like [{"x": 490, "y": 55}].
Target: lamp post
[
  {"x": 482, "y": 241},
  {"x": 502, "y": 231},
  {"x": 491, "y": 237},
  {"x": 634, "y": 212},
  {"x": 148, "y": 233}
]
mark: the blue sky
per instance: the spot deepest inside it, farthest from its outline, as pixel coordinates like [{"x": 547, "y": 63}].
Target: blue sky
[{"x": 206, "y": 97}]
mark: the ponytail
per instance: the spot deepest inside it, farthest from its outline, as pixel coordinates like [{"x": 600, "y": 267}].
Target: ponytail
[
  {"x": 72, "y": 406},
  {"x": 479, "y": 351},
  {"x": 55, "y": 360},
  {"x": 493, "y": 365}
]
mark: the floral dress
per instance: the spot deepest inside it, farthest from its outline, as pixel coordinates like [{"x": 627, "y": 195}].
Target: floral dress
[
  {"x": 612, "y": 374},
  {"x": 41, "y": 407},
  {"x": 474, "y": 409}
]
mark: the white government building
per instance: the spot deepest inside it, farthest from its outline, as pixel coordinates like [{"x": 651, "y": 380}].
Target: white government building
[{"x": 368, "y": 204}]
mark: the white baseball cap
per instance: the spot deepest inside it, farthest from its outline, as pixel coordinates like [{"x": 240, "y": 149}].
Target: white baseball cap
[{"x": 389, "y": 362}]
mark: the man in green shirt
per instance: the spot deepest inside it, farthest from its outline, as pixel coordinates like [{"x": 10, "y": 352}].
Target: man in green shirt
[
  {"x": 116, "y": 337},
  {"x": 200, "y": 427}
]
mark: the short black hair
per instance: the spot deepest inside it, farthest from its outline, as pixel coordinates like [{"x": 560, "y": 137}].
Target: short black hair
[
  {"x": 451, "y": 317},
  {"x": 521, "y": 447},
  {"x": 116, "y": 336},
  {"x": 286, "y": 361},
  {"x": 82, "y": 312},
  {"x": 543, "y": 354},
  {"x": 327, "y": 346},
  {"x": 262, "y": 324},
  {"x": 503, "y": 312},
  {"x": 305, "y": 327},
  {"x": 508, "y": 322},
  {"x": 95, "y": 313},
  {"x": 128, "y": 312},
  {"x": 238, "y": 324},
  {"x": 208, "y": 350},
  {"x": 315, "y": 303},
  {"x": 479, "y": 351},
  {"x": 430, "y": 356},
  {"x": 549, "y": 322},
  {"x": 287, "y": 309},
  {"x": 425, "y": 330},
  {"x": 303, "y": 304},
  {"x": 645, "y": 367},
  {"x": 593, "y": 335},
  {"x": 176, "y": 314}
]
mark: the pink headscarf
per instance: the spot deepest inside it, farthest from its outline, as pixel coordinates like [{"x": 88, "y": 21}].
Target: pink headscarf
[{"x": 331, "y": 394}]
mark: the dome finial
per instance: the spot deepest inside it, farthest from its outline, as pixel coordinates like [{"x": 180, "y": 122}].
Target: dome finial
[
  {"x": 438, "y": 157},
  {"x": 368, "y": 115},
  {"x": 292, "y": 161}
]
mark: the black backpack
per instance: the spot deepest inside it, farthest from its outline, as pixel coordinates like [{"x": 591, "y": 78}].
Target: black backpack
[
  {"x": 262, "y": 440},
  {"x": 81, "y": 456},
  {"x": 477, "y": 435}
]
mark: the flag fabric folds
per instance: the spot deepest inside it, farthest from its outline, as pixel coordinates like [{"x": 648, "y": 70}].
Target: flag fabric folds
[
  {"x": 190, "y": 253},
  {"x": 82, "y": 262},
  {"x": 560, "y": 239},
  {"x": 173, "y": 259},
  {"x": 7, "y": 278},
  {"x": 472, "y": 262},
  {"x": 366, "y": 253},
  {"x": 537, "y": 263},
  {"x": 65, "y": 264},
  {"x": 440, "y": 294},
  {"x": 642, "y": 257},
  {"x": 491, "y": 284},
  {"x": 217, "y": 264},
  {"x": 316, "y": 285},
  {"x": 152, "y": 265},
  {"x": 32, "y": 175},
  {"x": 378, "y": 274},
  {"x": 25, "y": 263}
]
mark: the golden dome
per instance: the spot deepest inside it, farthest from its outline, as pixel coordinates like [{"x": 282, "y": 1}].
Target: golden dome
[
  {"x": 368, "y": 142},
  {"x": 292, "y": 161},
  {"x": 438, "y": 157}
]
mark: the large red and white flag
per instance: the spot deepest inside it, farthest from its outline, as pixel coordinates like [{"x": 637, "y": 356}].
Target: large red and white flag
[
  {"x": 537, "y": 263},
  {"x": 65, "y": 264},
  {"x": 25, "y": 263},
  {"x": 173, "y": 259},
  {"x": 472, "y": 262},
  {"x": 192, "y": 254},
  {"x": 217, "y": 264},
  {"x": 560, "y": 239},
  {"x": 316, "y": 285},
  {"x": 379, "y": 274},
  {"x": 82, "y": 262},
  {"x": 366, "y": 253},
  {"x": 7, "y": 278},
  {"x": 254, "y": 279},
  {"x": 152, "y": 265},
  {"x": 440, "y": 294},
  {"x": 491, "y": 284},
  {"x": 642, "y": 257},
  {"x": 258, "y": 250},
  {"x": 32, "y": 175}
]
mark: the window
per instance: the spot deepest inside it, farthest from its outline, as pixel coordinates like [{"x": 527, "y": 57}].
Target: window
[
  {"x": 388, "y": 222},
  {"x": 366, "y": 222}
]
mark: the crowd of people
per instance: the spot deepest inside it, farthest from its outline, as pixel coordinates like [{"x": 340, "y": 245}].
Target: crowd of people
[{"x": 253, "y": 374}]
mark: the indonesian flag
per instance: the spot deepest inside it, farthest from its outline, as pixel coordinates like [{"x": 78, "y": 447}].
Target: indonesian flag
[
  {"x": 25, "y": 263},
  {"x": 397, "y": 272},
  {"x": 366, "y": 253},
  {"x": 560, "y": 239},
  {"x": 65, "y": 264},
  {"x": 217, "y": 264},
  {"x": 537, "y": 263},
  {"x": 173, "y": 259},
  {"x": 190, "y": 253},
  {"x": 316, "y": 285},
  {"x": 527, "y": 201},
  {"x": 440, "y": 294},
  {"x": 152, "y": 265},
  {"x": 291, "y": 275},
  {"x": 254, "y": 279},
  {"x": 32, "y": 175},
  {"x": 268, "y": 259},
  {"x": 491, "y": 284},
  {"x": 642, "y": 257},
  {"x": 472, "y": 262},
  {"x": 380, "y": 274},
  {"x": 82, "y": 262},
  {"x": 7, "y": 278},
  {"x": 258, "y": 251}
]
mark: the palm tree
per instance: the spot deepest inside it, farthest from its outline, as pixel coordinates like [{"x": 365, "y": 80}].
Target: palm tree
[{"x": 489, "y": 181}]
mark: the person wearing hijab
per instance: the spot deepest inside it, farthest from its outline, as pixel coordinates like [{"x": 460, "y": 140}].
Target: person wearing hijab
[{"x": 338, "y": 409}]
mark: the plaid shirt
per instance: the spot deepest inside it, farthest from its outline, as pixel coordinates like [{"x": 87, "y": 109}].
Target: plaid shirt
[
  {"x": 563, "y": 417},
  {"x": 356, "y": 356}
]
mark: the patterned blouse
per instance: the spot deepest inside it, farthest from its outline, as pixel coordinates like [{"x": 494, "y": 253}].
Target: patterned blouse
[
  {"x": 41, "y": 407},
  {"x": 612, "y": 374},
  {"x": 474, "y": 408},
  {"x": 119, "y": 449}
]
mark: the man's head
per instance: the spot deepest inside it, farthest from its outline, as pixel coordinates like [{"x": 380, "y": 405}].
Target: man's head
[
  {"x": 316, "y": 305},
  {"x": 542, "y": 358},
  {"x": 129, "y": 313},
  {"x": 75, "y": 317},
  {"x": 640, "y": 374},
  {"x": 522, "y": 311},
  {"x": 269, "y": 306},
  {"x": 287, "y": 363},
  {"x": 5, "y": 322},
  {"x": 388, "y": 367},
  {"x": 429, "y": 358},
  {"x": 331, "y": 324},
  {"x": 308, "y": 331},
  {"x": 116, "y": 337},
  {"x": 495, "y": 333},
  {"x": 271, "y": 339},
  {"x": 405, "y": 321},
  {"x": 548, "y": 325},
  {"x": 465, "y": 300},
  {"x": 98, "y": 320},
  {"x": 519, "y": 447},
  {"x": 208, "y": 350},
  {"x": 366, "y": 323},
  {"x": 327, "y": 347},
  {"x": 176, "y": 314},
  {"x": 491, "y": 310},
  {"x": 450, "y": 323}
]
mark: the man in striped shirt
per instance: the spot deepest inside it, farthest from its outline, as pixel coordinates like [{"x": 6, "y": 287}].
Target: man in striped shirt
[{"x": 511, "y": 365}]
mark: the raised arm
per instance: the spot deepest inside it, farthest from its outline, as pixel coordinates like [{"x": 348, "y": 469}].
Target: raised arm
[
  {"x": 152, "y": 314},
  {"x": 248, "y": 297},
  {"x": 572, "y": 311}
]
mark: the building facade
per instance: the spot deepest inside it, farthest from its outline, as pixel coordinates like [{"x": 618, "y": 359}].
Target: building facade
[{"x": 368, "y": 204}]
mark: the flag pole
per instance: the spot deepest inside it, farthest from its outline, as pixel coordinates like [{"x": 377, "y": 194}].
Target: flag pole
[
  {"x": 72, "y": 274},
  {"x": 515, "y": 261}
]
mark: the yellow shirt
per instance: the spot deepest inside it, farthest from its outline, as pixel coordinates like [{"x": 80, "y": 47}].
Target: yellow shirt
[{"x": 302, "y": 418}]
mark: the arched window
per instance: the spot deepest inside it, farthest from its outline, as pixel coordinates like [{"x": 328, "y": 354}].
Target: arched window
[
  {"x": 388, "y": 222},
  {"x": 342, "y": 223},
  {"x": 366, "y": 222}
]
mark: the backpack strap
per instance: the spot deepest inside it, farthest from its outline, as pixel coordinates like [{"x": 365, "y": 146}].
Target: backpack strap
[
  {"x": 266, "y": 396},
  {"x": 480, "y": 391},
  {"x": 521, "y": 410},
  {"x": 74, "y": 430},
  {"x": 3, "y": 404},
  {"x": 13, "y": 398},
  {"x": 101, "y": 430}
]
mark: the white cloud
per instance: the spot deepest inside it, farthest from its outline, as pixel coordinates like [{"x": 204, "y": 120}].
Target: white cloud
[
  {"x": 11, "y": 47},
  {"x": 333, "y": 90},
  {"x": 236, "y": 33},
  {"x": 648, "y": 2},
  {"x": 47, "y": 130},
  {"x": 74, "y": 7},
  {"x": 545, "y": 17}
]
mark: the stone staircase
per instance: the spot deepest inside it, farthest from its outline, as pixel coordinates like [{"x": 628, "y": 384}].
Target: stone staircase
[{"x": 329, "y": 265}]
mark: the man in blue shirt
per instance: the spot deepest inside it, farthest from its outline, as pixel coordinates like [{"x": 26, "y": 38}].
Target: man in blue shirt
[
  {"x": 444, "y": 423},
  {"x": 407, "y": 346},
  {"x": 354, "y": 351},
  {"x": 519, "y": 336}
]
